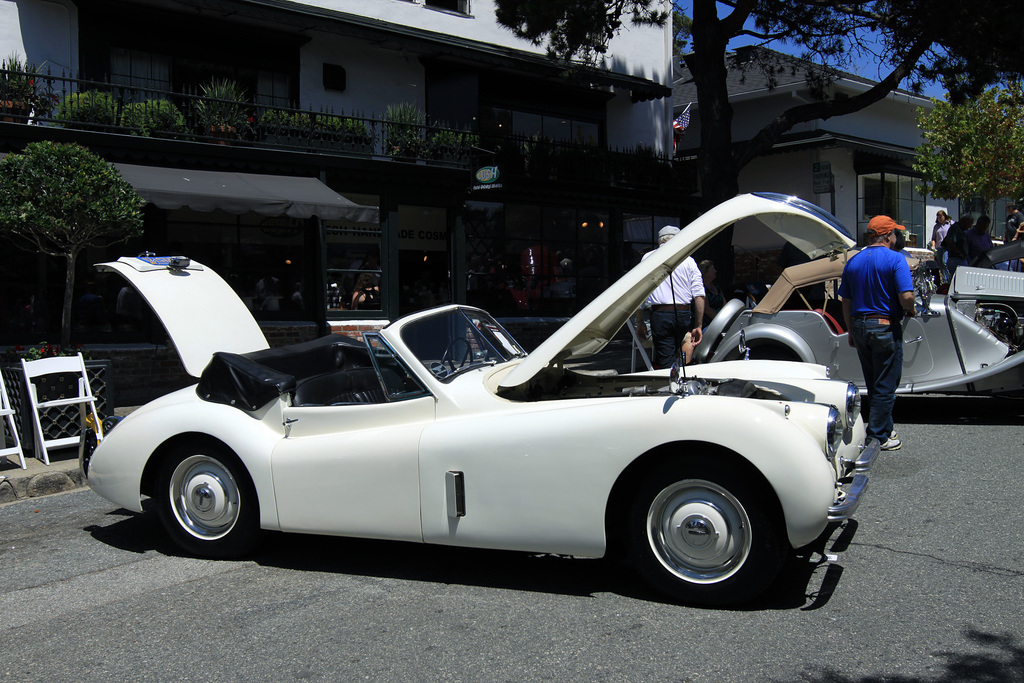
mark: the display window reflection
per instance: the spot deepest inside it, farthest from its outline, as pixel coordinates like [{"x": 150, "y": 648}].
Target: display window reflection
[
  {"x": 354, "y": 278},
  {"x": 525, "y": 259}
]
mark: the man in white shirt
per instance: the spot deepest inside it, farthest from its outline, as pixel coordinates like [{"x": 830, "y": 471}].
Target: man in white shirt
[{"x": 677, "y": 306}]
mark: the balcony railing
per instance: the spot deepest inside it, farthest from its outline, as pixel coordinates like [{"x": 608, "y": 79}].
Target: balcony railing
[{"x": 206, "y": 115}]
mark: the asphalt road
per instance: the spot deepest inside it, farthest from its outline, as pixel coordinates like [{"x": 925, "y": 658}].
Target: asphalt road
[{"x": 927, "y": 586}]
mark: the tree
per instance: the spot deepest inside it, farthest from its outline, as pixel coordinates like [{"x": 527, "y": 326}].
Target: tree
[
  {"x": 966, "y": 46},
  {"x": 60, "y": 198},
  {"x": 974, "y": 148}
]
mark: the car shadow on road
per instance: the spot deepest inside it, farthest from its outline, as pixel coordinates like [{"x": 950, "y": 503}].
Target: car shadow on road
[
  {"x": 955, "y": 410},
  {"x": 806, "y": 581}
]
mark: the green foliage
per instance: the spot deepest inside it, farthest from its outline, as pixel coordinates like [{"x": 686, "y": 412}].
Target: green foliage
[
  {"x": 92, "y": 107},
  {"x": 223, "y": 106},
  {"x": 451, "y": 144},
  {"x": 574, "y": 27},
  {"x": 22, "y": 84},
  {"x": 280, "y": 118},
  {"x": 974, "y": 148},
  {"x": 403, "y": 130},
  {"x": 60, "y": 198},
  {"x": 153, "y": 117}
]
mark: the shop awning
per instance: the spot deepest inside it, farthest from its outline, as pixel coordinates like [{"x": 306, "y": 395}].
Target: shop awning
[{"x": 238, "y": 193}]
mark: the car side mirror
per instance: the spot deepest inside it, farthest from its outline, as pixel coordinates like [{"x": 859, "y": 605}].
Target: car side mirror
[{"x": 743, "y": 348}]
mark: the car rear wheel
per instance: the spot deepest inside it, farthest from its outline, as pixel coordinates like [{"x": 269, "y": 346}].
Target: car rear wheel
[
  {"x": 207, "y": 502},
  {"x": 703, "y": 535}
]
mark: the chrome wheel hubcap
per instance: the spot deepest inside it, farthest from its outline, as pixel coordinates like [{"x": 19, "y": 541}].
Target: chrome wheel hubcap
[
  {"x": 699, "y": 531},
  {"x": 204, "y": 497}
]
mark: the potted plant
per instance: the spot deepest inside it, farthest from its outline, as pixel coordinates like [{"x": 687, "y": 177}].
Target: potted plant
[
  {"x": 89, "y": 110},
  {"x": 282, "y": 127},
  {"x": 403, "y": 130},
  {"x": 19, "y": 89},
  {"x": 223, "y": 111},
  {"x": 153, "y": 117},
  {"x": 452, "y": 146},
  {"x": 343, "y": 133}
]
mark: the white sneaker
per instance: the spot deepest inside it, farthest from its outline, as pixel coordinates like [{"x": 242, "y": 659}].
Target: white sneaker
[{"x": 892, "y": 444}]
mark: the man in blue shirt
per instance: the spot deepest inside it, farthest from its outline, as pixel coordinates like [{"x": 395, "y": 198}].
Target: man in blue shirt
[{"x": 877, "y": 291}]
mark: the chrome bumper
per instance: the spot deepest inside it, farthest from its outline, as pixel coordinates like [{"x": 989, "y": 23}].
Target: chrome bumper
[
  {"x": 867, "y": 456},
  {"x": 847, "y": 501}
]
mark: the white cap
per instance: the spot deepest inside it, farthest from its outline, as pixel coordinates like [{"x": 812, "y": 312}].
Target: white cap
[{"x": 668, "y": 231}]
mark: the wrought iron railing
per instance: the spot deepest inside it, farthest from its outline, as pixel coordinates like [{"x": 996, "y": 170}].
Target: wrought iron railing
[{"x": 203, "y": 114}]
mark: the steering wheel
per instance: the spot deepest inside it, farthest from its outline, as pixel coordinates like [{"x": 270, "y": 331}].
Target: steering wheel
[{"x": 452, "y": 356}]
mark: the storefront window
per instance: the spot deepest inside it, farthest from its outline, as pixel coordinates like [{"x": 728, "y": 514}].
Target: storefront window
[
  {"x": 354, "y": 277},
  {"x": 423, "y": 262},
  {"x": 265, "y": 260},
  {"x": 894, "y": 195},
  {"x": 538, "y": 260}
]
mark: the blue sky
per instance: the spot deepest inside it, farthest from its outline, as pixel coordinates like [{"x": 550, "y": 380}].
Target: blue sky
[{"x": 862, "y": 65}]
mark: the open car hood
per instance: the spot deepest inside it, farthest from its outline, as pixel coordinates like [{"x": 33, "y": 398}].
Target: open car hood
[
  {"x": 809, "y": 228},
  {"x": 200, "y": 312}
]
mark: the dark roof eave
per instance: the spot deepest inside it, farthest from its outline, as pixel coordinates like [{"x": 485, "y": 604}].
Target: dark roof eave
[{"x": 826, "y": 139}]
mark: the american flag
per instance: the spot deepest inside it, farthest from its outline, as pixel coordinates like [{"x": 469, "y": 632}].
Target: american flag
[{"x": 682, "y": 121}]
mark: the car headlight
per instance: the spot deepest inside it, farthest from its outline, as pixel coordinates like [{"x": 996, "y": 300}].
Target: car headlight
[
  {"x": 833, "y": 431},
  {"x": 852, "y": 404}
]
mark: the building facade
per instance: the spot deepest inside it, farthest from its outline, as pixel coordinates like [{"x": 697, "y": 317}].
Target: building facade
[
  {"x": 855, "y": 166},
  {"x": 441, "y": 158}
]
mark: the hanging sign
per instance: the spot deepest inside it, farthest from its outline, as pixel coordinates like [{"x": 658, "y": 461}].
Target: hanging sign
[{"x": 487, "y": 178}]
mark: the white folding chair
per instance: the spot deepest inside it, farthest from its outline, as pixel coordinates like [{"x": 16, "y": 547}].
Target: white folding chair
[
  {"x": 60, "y": 382},
  {"x": 7, "y": 413}
]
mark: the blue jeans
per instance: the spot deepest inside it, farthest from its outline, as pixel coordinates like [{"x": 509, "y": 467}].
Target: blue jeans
[
  {"x": 667, "y": 331},
  {"x": 880, "y": 349}
]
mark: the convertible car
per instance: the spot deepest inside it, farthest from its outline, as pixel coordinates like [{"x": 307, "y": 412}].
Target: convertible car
[
  {"x": 964, "y": 341},
  {"x": 441, "y": 429}
]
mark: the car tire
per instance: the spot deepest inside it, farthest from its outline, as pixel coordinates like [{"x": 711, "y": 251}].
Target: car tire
[
  {"x": 207, "y": 502},
  {"x": 703, "y": 534}
]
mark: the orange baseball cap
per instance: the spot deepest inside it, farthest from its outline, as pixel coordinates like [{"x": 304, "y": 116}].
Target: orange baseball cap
[{"x": 883, "y": 225}]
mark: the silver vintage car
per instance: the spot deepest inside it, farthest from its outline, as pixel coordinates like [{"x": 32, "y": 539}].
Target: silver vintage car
[{"x": 965, "y": 339}]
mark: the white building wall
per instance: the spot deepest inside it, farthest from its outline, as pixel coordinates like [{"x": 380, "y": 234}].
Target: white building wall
[
  {"x": 40, "y": 32},
  {"x": 376, "y": 78}
]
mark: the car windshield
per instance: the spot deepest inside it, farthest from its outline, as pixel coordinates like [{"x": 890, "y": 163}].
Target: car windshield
[{"x": 459, "y": 339}]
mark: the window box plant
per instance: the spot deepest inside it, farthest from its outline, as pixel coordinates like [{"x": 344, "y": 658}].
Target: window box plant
[
  {"x": 451, "y": 146},
  {"x": 222, "y": 112},
  {"x": 342, "y": 133},
  {"x": 89, "y": 110},
  {"x": 159, "y": 118},
  {"x": 285, "y": 128},
  {"x": 403, "y": 131},
  {"x": 20, "y": 91}
]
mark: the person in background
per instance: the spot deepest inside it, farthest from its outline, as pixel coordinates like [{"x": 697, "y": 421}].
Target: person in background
[
  {"x": 978, "y": 239},
  {"x": 877, "y": 291},
  {"x": 942, "y": 223},
  {"x": 714, "y": 298},
  {"x": 1014, "y": 224},
  {"x": 955, "y": 244},
  {"x": 677, "y": 307}
]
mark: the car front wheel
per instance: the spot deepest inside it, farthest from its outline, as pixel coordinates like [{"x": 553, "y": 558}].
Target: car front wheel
[
  {"x": 207, "y": 502},
  {"x": 702, "y": 535}
]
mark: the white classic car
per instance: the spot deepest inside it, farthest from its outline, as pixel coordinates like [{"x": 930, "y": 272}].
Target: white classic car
[
  {"x": 441, "y": 429},
  {"x": 963, "y": 341}
]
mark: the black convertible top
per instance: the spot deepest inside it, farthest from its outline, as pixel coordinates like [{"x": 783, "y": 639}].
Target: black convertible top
[{"x": 247, "y": 381}]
